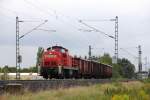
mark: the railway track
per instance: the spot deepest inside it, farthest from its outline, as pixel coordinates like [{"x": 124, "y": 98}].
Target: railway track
[{"x": 37, "y": 85}]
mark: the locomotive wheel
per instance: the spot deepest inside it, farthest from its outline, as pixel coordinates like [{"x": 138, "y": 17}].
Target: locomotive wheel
[
  {"x": 45, "y": 76},
  {"x": 60, "y": 76}
]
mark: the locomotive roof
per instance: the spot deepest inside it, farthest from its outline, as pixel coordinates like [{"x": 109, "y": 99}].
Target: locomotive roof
[
  {"x": 57, "y": 47},
  {"x": 60, "y": 47}
]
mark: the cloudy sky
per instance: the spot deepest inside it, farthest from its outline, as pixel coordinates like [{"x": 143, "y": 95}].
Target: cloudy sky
[{"x": 63, "y": 16}]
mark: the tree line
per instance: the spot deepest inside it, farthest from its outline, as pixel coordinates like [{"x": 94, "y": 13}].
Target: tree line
[
  {"x": 123, "y": 69},
  {"x": 22, "y": 70}
]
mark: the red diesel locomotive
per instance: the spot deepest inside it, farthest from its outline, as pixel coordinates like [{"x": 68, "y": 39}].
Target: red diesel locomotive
[{"x": 57, "y": 63}]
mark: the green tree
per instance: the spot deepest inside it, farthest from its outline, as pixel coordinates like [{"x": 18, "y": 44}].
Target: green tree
[
  {"x": 116, "y": 71},
  {"x": 124, "y": 68},
  {"x": 0, "y": 70},
  {"x": 127, "y": 68},
  {"x": 25, "y": 70},
  {"x": 5, "y": 71},
  {"x": 12, "y": 69},
  {"x": 106, "y": 59},
  {"x": 28, "y": 70},
  {"x": 39, "y": 56},
  {"x": 149, "y": 73},
  {"x": 33, "y": 69}
]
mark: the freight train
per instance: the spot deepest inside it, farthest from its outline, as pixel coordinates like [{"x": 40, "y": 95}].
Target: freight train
[{"x": 56, "y": 62}]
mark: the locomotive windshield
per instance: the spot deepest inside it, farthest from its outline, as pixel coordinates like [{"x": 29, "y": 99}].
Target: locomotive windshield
[
  {"x": 59, "y": 48},
  {"x": 62, "y": 50}
]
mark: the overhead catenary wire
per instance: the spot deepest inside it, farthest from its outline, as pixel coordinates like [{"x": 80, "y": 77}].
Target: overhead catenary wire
[
  {"x": 4, "y": 10},
  {"x": 46, "y": 30},
  {"x": 36, "y": 7},
  {"x": 114, "y": 37},
  {"x": 55, "y": 15},
  {"x": 98, "y": 20},
  {"x": 129, "y": 53},
  {"x": 3, "y": 13},
  {"x": 14, "y": 12},
  {"x": 32, "y": 20},
  {"x": 58, "y": 13},
  {"x": 33, "y": 29},
  {"x": 95, "y": 29},
  {"x": 9, "y": 10},
  {"x": 7, "y": 17},
  {"x": 48, "y": 13}
]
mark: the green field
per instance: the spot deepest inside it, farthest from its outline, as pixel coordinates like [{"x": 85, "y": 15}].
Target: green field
[{"x": 111, "y": 91}]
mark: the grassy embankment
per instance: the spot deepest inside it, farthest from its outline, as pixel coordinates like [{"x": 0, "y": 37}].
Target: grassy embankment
[{"x": 110, "y": 91}]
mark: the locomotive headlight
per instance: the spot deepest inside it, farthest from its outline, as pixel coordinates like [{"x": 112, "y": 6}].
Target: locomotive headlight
[{"x": 50, "y": 56}]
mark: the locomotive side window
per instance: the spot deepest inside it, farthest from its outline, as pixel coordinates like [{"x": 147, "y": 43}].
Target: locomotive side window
[{"x": 62, "y": 50}]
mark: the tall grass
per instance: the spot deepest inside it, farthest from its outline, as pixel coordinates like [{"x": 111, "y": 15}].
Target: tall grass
[{"x": 112, "y": 91}]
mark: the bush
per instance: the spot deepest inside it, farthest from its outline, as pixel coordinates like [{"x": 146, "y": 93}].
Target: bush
[
  {"x": 120, "y": 97},
  {"x": 4, "y": 76}
]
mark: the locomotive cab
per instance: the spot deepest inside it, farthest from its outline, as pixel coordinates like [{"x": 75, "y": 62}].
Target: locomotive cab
[{"x": 64, "y": 55}]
